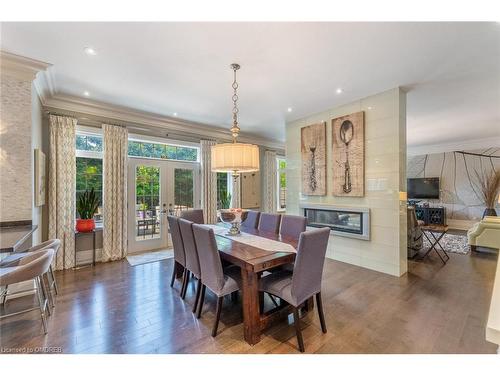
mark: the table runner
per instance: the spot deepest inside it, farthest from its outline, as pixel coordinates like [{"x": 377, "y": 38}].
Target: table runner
[{"x": 253, "y": 240}]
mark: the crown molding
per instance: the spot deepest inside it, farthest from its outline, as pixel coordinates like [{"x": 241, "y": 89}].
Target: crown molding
[
  {"x": 473, "y": 144},
  {"x": 98, "y": 112},
  {"x": 21, "y": 67}
]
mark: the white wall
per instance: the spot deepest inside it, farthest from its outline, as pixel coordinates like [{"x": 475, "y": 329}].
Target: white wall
[{"x": 385, "y": 176}]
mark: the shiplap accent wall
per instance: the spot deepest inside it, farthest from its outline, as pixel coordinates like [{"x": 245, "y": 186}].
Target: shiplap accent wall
[{"x": 385, "y": 176}]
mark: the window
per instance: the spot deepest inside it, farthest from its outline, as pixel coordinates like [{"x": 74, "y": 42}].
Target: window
[
  {"x": 89, "y": 167},
  {"x": 281, "y": 182},
  {"x": 223, "y": 193},
  {"x": 154, "y": 150}
]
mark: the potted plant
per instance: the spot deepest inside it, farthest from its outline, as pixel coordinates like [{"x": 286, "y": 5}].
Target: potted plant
[
  {"x": 86, "y": 206},
  {"x": 489, "y": 185}
]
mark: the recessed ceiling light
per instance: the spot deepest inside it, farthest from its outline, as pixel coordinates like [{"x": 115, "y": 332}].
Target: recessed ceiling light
[
  {"x": 289, "y": 109},
  {"x": 86, "y": 93},
  {"x": 175, "y": 114},
  {"x": 339, "y": 91},
  {"x": 370, "y": 107},
  {"x": 90, "y": 51}
]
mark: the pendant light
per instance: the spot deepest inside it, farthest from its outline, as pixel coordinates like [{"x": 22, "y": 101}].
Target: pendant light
[{"x": 235, "y": 157}]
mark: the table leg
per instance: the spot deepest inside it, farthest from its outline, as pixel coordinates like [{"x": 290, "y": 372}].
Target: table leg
[
  {"x": 93, "y": 250},
  {"x": 251, "y": 313},
  {"x": 437, "y": 239}
]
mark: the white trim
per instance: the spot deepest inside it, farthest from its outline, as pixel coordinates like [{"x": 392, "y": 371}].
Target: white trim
[
  {"x": 20, "y": 66},
  {"x": 102, "y": 112},
  {"x": 473, "y": 144}
]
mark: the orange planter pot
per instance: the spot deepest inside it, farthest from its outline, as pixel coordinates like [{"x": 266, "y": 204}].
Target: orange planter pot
[{"x": 85, "y": 225}]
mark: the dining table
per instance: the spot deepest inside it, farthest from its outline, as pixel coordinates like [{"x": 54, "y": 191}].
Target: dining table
[{"x": 254, "y": 257}]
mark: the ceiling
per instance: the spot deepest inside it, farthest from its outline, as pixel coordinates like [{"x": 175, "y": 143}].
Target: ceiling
[{"x": 451, "y": 70}]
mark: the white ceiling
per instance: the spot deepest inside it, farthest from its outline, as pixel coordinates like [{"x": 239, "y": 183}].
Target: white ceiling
[{"x": 452, "y": 70}]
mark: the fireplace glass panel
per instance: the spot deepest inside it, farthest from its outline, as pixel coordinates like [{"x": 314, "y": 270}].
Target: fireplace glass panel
[{"x": 342, "y": 221}]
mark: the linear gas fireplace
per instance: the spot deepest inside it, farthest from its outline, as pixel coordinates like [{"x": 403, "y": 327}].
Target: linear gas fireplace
[{"x": 343, "y": 221}]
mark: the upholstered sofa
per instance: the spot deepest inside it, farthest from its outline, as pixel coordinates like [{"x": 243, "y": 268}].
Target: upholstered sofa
[{"x": 486, "y": 233}]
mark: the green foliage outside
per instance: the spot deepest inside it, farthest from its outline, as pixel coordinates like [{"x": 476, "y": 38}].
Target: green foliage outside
[
  {"x": 87, "y": 204},
  {"x": 88, "y": 176}
]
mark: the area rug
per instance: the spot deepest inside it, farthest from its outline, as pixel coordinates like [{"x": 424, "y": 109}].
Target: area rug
[
  {"x": 150, "y": 257},
  {"x": 452, "y": 243}
]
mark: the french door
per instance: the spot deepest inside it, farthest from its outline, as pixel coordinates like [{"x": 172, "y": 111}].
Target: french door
[{"x": 157, "y": 188}]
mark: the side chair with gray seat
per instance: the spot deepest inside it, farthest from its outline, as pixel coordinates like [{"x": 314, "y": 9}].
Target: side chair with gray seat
[
  {"x": 252, "y": 220},
  {"x": 53, "y": 244},
  {"x": 220, "y": 282},
  {"x": 195, "y": 215},
  {"x": 305, "y": 281},
  {"x": 269, "y": 222},
  {"x": 32, "y": 266},
  {"x": 179, "y": 253},
  {"x": 192, "y": 261},
  {"x": 291, "y": 227}
]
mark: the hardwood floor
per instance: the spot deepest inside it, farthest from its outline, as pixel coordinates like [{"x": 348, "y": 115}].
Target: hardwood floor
[{"x": 116, "y": 308}]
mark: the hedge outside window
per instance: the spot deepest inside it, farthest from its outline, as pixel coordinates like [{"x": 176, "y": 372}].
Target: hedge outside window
[
  {"x": 281, "y": 171},
  {"x": 161, "y": 151}
]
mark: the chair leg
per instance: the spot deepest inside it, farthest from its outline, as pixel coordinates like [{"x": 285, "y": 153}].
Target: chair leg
[
  {"x": 43, "y": 289},
  {"x": 201, "y": 301},
  {"x": 54, "y": 282},
  {"x": 217, "y": 315},
  {"x": 48, "y": 290},
  {"x": 42, "y": 303},
  {"x": 198, "y": 290},
  {"x": 274, "y": 300},
  {"x": 173, "y": 276},
  {"x": 296, "y": 321},
  {"x": 185, "y": 283},
  {"x": 4, "y": 295},
  {"x": 320, "y": 312}
]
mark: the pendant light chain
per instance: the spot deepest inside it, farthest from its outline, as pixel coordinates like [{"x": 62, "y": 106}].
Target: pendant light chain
[{"x": 235, "y": 129}]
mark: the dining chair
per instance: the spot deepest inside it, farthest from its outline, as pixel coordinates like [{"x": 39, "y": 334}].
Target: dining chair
[
  {"x": 32, "y": 266},
  {"x": 305, "y": 281},
  {"x": 220, "y": 282},
  {"x": 269, "y": 222},
  {"x": 192, "y": 261},
  {"x": 195, "y": 215},
  {"x": 179, "y": 253},
  {"x": 53, "y": 244},
  {"x": 252, "y": 220},
  {"x": 292, "y": 226}
]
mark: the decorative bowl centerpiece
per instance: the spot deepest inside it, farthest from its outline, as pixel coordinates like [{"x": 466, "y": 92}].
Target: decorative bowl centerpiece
[{"x": 233, "y": 216}]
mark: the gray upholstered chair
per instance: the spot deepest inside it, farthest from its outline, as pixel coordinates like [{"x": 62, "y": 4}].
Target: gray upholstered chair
[
  {"x": 53, "y": 244},
  {"x": 292, "y": 226},
  {"x": 269, "y": 222},
  {"x": 415, "y": 237},
  {"x": 30, "y": 267},
  {"x": 252, "y": 220},
  {"x": 305, "y": 281},
  {"x": 179, "y": 254},
  {"x": 192, "y": 261},
  {"x": 220, "y": 282},
  {"x": 196, "y": 216}
]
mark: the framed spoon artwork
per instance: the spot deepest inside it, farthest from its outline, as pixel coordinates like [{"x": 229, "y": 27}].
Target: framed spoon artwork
[
  {"x": 313, "y": 151},
  {"x": 348, "y": 149}
]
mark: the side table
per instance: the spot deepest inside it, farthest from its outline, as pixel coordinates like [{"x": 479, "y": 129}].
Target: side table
[
  {"x": 78, "y": 234},
  {"x": 434, "y": 233}
]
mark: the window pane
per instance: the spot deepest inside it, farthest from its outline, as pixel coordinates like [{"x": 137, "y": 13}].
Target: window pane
[
  {"x": 88, "y": 142},
  {"x": 223, "y": 195},
  {"x": 147, "y": 210},
  {"x": 162, "y": 151},
  {"x": 281, "y": 164},
  {"x": 88, "y": 176},
  {"x": 183, "y": 189}
]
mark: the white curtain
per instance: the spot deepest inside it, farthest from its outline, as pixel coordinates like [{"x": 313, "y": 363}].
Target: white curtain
[
  {"x": 62, "y": 171},
  {"x": 114, "y": 171},
  {"x": 235, "y": 191},
  {"x": 270, "y": 182},
  {"x": 208, "y": 183}
]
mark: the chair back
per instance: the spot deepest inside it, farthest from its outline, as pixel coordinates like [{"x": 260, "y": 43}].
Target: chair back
[
  {"x": 28, "y": 267},
  {"x": 196, "y": 216},
  {"x": 269, "y": 222},
  {"x": 212, "y": 274},
  {"x": 252, "y": 220},
  {"x": 52, "y": 244},
  {"x": 292, "y": 226},
  {"x": 192, "y": 262},
  {"x": 175, "y": 232},
  {"x": 308, "y": 268}
]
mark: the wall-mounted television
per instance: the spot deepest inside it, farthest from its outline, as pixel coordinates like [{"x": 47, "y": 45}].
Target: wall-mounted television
[{"x": 423, "y": 188}]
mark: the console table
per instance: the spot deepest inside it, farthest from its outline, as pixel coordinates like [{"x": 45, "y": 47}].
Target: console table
[{"x": 431, "y": 215}]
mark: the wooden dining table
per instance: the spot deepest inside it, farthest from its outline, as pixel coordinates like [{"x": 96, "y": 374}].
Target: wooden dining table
[{"x": 253, "y": 261}]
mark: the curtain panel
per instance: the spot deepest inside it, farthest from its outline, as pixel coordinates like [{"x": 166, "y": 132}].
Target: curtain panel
[
  {"x": 61, "y": 186},
  {"x": 115, "y": 141},
  {"x": 208, "y": 183},
  {"x": 270, "y": 182}
]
